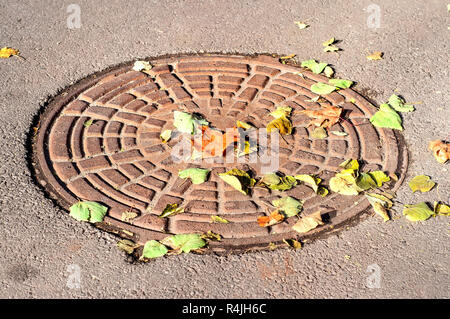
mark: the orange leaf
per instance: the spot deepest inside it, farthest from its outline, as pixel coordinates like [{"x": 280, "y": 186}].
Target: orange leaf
[
  {"x": 326, "y": 117},
  {"x": 441, "y": 150},
  {"x": 274, "y": 218},
  {"x": 213, "y": 142}
]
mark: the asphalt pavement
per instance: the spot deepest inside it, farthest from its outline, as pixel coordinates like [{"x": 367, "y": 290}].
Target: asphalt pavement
[{"x": 42, "y": 249}]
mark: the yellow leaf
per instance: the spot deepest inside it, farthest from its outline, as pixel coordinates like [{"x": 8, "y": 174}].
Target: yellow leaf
[
  {"x": 283, "y": 125},
  {"x": 308, "y": 223},
  {"x": 274, "y": 218},
  {"x": 377, "y": 55},
  {"x": 293, "y": 243},
  {"x": 421, "y": 183},
  {"x": 7, "y": 52},
  {"x": 218, "y": 219},
  {"x": 441, "y": 209},
  {"x": 441, "y": 150},
  {"x": 301, "y": 25},
  {"x": 281, "y": 111}
]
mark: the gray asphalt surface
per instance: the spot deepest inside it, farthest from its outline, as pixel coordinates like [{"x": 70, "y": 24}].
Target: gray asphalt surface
[{"x": 38, "y": 240}]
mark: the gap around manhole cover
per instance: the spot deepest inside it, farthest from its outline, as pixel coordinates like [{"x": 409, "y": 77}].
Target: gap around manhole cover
[{"x": 120, "y": 161}]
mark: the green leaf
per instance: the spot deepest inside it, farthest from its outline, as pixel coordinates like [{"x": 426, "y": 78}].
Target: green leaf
[
  {"x": 310, "y": 180},
  {"x": 238, "y": 179},
  {"x": 88, "y": 123},
  {"x": 166, "y": 136},
  {"x": 421, "y": 183},
  {"x": 365, "y": 182},
  {"x": 184, "y": 242},
  {"x": 417, "y": 212},
  {"x": 315, "y": 67},
  {"x": 187, "y": 123},
  {"x": 88, "y": 211},
  {"x": 322, "y": 88},
  {"x": 290, "y": 206},
  {"x": 379, "y": 177},
  {"x": 399, "y": 105},
  {"x": 80, "y": 212},
  {"x": 341, "y": 83},
  {"x": 154, "y": 249},
  {"x": 197, "y": 175},
  {"x": 275, "y": 182},
  {"x": 350, "y": 164},
  {"x": 170, "y": 210},
  {"x": 387, "y": 117}
]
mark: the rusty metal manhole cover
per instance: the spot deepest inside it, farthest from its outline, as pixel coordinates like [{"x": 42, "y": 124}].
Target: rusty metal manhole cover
[{"x": 120, "y": 161}]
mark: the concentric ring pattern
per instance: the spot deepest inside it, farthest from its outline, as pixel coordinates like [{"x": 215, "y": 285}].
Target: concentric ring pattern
[{"x": 99, "y": 140}]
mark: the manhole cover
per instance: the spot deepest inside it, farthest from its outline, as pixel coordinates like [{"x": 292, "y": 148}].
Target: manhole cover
[{"x": 120, "y": 161}]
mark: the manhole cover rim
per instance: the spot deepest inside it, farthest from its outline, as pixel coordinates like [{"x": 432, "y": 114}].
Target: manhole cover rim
[{"x": 53, "y": 188}]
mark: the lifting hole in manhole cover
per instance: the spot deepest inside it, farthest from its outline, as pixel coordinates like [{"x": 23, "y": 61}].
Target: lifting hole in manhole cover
[{"x": 100, "y": 141}]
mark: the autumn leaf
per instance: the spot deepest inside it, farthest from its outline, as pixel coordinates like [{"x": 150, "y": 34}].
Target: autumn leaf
[
  {"x": 441, "y": 209},
  {"x": 238, "y": 179},
  {"x": 377, "y": 55},
  {"x": 315, "y": 67},
  {"x": 142, "y": 66},
  {"x": 166, "y": 135},
  {"x": 281, "y": 111},
  {"x": 293, "y": 243},
  {"x": 127, "y": 245},
  {"x": 328, "y": 71},
  {"x": 184, "y": 242},
  {"x": 153, "y": 249},
  {"x": 307, "y": 223},
  {"x": 170, "y": 210},
  {"x": 288, "y": 205},
  {"x": 380, "y": 206},
  {"x": 7, "y": 52},
  {"x": 319, "y": 133},
  {"x": 311, "y": 180},
  {"x": 379, "y": 177},
  {"x": 88, "y": 123},
  {"x": 284, "y": 59},
  {"x": 339, "y": 133},
  {"x": 275, "y": 182},
  {"x": 329, "y": 47},
  {"x": 365, "y": 182},
  {"x": 197, "y": 175},
  {"x": 88, "y": 211},
  {"x": 344, "y": 184},
  {"x": 421, "y": 183},
  {"x": 417, "y": 212},
  {"x": 325, "y": 117},
  {"x": 301, "y": 25},
  {"x": 441, "y": 150},
  {"x": 188, "y": 123},
  {"x": 329, "y": 42},
  {"x": 281, "y": 121},
  {"x": 218, "y": 219},
  {"x": 351, "y": 164},
  {"x": 341, "y": 83},
  {"x": 274, "y": 218},
  {"x": 387, "y": 117},
  {"x": 322, "y": 88},
  {"x": 211, "y": 236},
  {"x": 398, "y": 104}
]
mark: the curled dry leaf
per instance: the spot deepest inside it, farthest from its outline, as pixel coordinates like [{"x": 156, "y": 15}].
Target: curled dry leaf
[
  {"x": 218, "y": 219},
  {"x": 142, "y": 66},
  {"x": 274, "y": 218},
  {"x": 325, "y": 117},
  {"x": 377, "y": 55},
  {"x": 293, "y": 243},
  {"x": 170, "y": 210},
  {"x": 308, "y": 223},
  {"x": 301, "y": 25},
  {"x": 441, "y": 209},
  {"x": 441, "y": 150}
]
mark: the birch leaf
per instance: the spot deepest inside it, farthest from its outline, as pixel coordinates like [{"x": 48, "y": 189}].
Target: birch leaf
[
  {"x": 170, "y": 210},
  {"x": 153, "y": 249},
  {"x": 197, "y": 175},
  {"x": 379, "y": 206},
  {"x": 387, "y": 117},
  {"x": 218, "y": 219},
  {"x": 417, "y": 212},
  {"x": 421, "y": 183},
  {"x": 341, "y": 83},
  {"x": 88, "y": 211},
  {"x": 238, "y": 179},
  {"x": 187, "y": 123},
  {"x": 310, "y": 180},
  {"x": 441, "y": 209},
  {"x": 290, "y": 206},
  {"x": 398, "y": 104},
  {"x": 184, "y": 242},
  {"x": 322, "y": 88}
]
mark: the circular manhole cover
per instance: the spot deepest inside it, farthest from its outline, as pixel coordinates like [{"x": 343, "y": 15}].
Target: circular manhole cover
[{"x": 99, "y": 140}]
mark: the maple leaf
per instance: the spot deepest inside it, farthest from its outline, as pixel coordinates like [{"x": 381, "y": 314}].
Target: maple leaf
[
  {"x": 441, "y": 150},
  {"x": 326, "y": 117}
]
